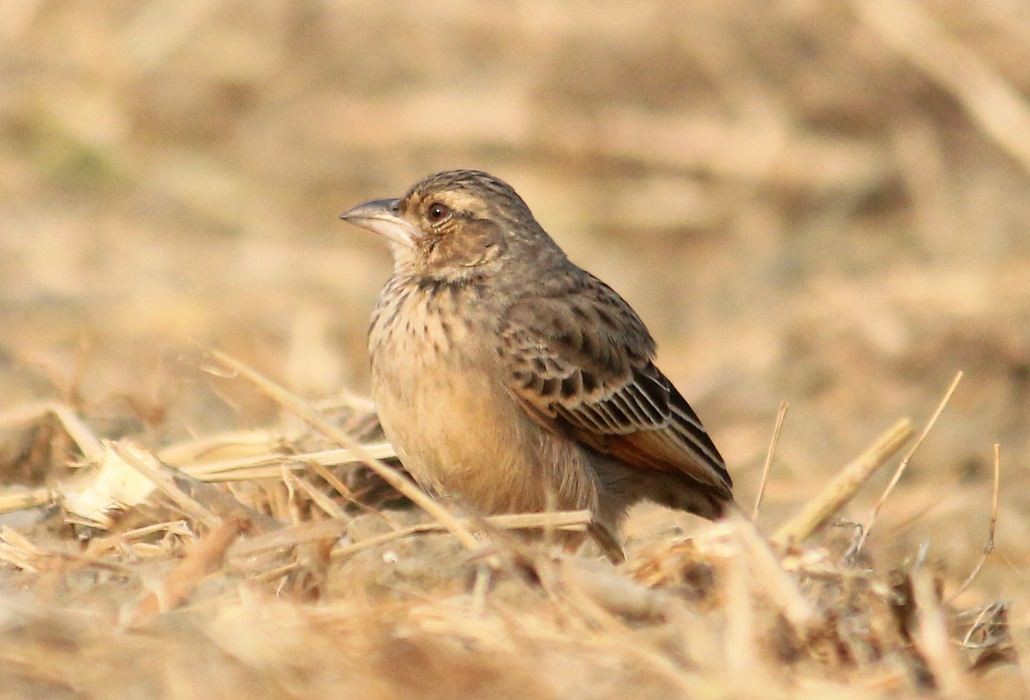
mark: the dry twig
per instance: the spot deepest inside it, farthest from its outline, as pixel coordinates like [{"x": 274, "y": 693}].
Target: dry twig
[
  {"x": 199, "y": 470},
  {"x": 88, "y": 443},
  {"x": 904, "y": 464},
  {"x": 299, "y": 407},
  {"x": 844, "y": 486},
  {"x": 174, "y": 589},
  {"x": 576, "y": 520},
  {"x": 11, "y": 501},
  {"x": 989, "y": 546},
  {"x": 148, "y": 466},
  {"x": 780, "y": 415}
]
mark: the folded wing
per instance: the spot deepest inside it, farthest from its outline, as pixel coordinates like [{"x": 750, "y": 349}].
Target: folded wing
[{"x": 581, "y": 364}]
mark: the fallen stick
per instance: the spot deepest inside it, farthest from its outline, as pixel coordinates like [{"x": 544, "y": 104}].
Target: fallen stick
[
  {"x": 147, "y": 465},
  {"x": 844, "y": 487},
  {"x": 380, "y": 450},
  {"x": 336, "y": 527},
  {"x": 904, "y": 465},
  {"x": 576, "y": 520},
  {"x": 317, "y": 421},
  {"x": 21, "y": 500},
  {"x": 80, "y": 433},
  {"x": 205, "y": 558},
  {"x": 781, "y": 414}
]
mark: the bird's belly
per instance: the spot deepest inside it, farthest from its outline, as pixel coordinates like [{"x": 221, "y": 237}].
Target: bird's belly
[
  {"x": 456, "y": 434},
  {"x": 461, "y": 436}
]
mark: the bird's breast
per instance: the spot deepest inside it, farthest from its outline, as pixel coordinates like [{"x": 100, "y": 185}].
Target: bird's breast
[
  {"x": 417, "y": 326},
  {"x": 442, "y": 400},
  {"x": 434, "y": 394}
]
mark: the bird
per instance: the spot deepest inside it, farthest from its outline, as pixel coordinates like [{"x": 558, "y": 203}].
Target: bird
[{"x": 510, "y": 380}]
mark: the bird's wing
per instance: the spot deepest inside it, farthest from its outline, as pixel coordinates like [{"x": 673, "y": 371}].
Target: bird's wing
[{"x": 580, "y": 362}]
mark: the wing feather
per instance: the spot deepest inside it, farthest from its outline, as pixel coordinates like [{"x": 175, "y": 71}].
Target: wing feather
[{"x": 582, "y": 365}]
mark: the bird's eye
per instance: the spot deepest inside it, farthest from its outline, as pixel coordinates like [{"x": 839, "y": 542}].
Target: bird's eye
[{"x": 438, "y": 212}]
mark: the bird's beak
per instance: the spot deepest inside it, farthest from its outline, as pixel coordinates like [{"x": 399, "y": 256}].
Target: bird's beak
[{"x": 380, "y": 216}]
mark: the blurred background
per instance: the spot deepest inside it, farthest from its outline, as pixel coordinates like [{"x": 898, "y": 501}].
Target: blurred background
[{"x": 823, "y": 203}]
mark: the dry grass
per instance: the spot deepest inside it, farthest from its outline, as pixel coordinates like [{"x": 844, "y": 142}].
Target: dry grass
[
  {"x": 295, "y": 584},
  {"x": 820, "y": 203}
]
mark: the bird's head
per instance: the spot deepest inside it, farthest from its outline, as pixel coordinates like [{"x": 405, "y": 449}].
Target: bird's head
[{"x": 453, "y": 223}]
